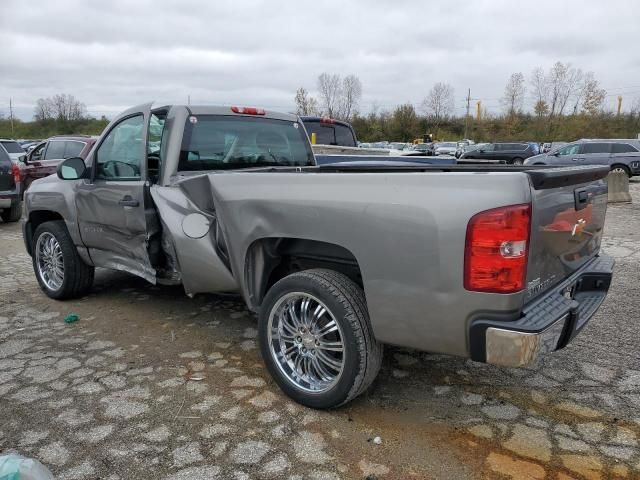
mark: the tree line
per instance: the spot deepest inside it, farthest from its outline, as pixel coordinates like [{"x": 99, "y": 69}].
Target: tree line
[
  {"x": 60, "y": 114},
  {"x": 567, "y": 103}
]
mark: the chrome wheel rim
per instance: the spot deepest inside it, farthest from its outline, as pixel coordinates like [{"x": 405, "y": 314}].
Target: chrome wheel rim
[
  {"x": 619, "y": 170},
  {"x": 306, "y": 342},
  {"x": 49, "y": 261}
]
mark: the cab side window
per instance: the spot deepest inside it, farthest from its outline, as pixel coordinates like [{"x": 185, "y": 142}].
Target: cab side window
[
  {"x": 73, "y": 149},
  {"x": 55, "y": 150},
  {"x": 623, "y": 148},
  {"x": 588, "y": 148},
  {"x": 569, "y": 150},
  {"x": 37, "y": 152},
  {"x": 120, "y": 156}
]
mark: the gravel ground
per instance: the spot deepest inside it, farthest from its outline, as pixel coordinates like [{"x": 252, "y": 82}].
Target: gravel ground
[{"x": 151, "y": 384}]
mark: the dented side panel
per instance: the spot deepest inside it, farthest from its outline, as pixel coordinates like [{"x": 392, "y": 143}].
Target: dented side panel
[{"x": 200, "y": 266}]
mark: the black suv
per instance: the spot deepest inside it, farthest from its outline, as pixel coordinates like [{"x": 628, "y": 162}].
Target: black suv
[
  {"x": 512, "y": 153},
  {"x": 10, "y": 189}
]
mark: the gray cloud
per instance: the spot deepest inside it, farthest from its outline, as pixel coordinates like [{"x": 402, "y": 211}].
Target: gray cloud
[{"x": 117, "y": 53}]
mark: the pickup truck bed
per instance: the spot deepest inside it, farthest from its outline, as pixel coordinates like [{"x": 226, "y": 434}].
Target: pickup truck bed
[{"x": 495, "y": 263}]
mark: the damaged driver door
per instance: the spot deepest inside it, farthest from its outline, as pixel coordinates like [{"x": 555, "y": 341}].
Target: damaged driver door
[{"x": 116, "y": 215}]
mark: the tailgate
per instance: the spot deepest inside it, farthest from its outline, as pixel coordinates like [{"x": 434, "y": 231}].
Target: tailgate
[{"x": 569, "y": 208}]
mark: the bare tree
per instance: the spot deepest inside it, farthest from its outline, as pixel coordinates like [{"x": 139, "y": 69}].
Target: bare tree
[
  {"x": 514, "y": 91},
  {"x": 329, "y": 88},
  {"x": 305, "y": 103},
  {"x": 43, "y": 110},
  {"x": 439, "y": 103},
  {"x": 339, "y": 97},
  {"x": 60, "y": 107},
  {"x": 540, "y": 91},
  {"x": 592, "y": 95},
  {"x": 564, "y": 81},
  {"x": 351, "y": 94}
]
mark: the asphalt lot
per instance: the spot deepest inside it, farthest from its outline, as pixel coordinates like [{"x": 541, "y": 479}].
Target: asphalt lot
[{"x": 151, "y": 384}]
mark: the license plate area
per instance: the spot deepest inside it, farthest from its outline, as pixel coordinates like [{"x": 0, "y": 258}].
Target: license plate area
[{"x": 569, "y": 292}]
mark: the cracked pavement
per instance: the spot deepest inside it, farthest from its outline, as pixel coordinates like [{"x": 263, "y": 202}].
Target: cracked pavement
[{"x": 151, "y": 384}]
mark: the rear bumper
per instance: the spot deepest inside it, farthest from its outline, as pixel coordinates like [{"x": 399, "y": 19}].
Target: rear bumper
[
  {"x": 7, "y": 199},
  {"x": 547, "y": 324}
]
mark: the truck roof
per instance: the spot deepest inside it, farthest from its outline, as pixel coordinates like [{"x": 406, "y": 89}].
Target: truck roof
[{"x": 226, "y": 110}]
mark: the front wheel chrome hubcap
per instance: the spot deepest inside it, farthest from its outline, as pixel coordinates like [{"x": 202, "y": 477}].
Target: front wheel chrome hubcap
[
  {"x": 49, "y": 261},
  {"x": 306, "y": 342}
]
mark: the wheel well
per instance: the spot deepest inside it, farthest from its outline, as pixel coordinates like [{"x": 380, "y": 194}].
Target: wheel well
[
  {"x": 620, "y": 165},
  {"x": 271, "y": 259},
  {"x": 37, "y": 218}
]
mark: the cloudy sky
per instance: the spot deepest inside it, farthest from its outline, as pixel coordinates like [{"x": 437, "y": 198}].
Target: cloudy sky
[{"x": 112, "y": 54}]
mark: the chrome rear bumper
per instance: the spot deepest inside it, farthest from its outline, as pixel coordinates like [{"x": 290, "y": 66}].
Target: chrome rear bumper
[
  {"x": 509, "y": 348},
  {"x": 547, "y": 324}
]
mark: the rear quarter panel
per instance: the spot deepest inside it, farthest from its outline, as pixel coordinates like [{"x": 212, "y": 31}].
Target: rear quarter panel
[{"x": 406, "y": 230}]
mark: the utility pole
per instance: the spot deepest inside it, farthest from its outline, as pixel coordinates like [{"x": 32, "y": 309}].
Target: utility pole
[
  {"x": 478, "y": 109},
  {"x": 11, "y": 114},
  {"x": 466, "y": 118}
]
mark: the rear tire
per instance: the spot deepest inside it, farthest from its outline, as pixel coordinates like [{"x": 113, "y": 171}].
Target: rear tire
[
  {"x": 60, "y": 271},
  {"x": 621, "y": 168},
  {"x": 517, "y": 161},
  {"x": 345, "y": 370},
  {"x": 13, "y": 214}
]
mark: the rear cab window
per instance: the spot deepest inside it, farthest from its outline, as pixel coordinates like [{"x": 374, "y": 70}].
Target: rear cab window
[
  {"x": 4, "y": 158},
  {"x": 330, "y": 133},
  {"x": 12, "y": 147},
  {"x": 220, "y": 142}
]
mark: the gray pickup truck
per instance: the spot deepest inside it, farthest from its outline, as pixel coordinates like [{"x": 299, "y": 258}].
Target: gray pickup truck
[{"x": 499, "y": 264}]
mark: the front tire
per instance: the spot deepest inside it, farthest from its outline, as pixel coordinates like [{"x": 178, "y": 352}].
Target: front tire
[
  {"x": 60, "y": 271},
  {"x": 517, "y": 161},
  {"x": 316, "y": 339},
  {"x": 13, "y": 214}
]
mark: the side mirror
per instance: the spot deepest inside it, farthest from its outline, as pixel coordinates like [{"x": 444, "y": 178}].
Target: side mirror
[
  {"x": 481, "y": 150},
  {"x": 71, "y": 169},
  {"x": 555, "y": 154},
  {"x": 22, "y": 159}
]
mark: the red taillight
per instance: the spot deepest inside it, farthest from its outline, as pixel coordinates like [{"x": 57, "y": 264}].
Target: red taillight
[
  {"x": 248, "y": 110},
  {"x": 327, "y": 120},
  {"x": 496, "y": 250},
  {"x": 17, "y": 173}
]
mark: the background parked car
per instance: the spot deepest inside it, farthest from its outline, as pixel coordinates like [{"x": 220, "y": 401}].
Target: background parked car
[
  {"x": 511, "y": 153},
  {"x": 12, "y": 148},
  {"x": 620, "y": 154},
  {"x": 445, "y": 148},
  {"x": 424, "y": 148},
  {"x": 43, "y": 160},
  {"x": 10, "y": 188},
  {"x": 330, "y": 132}
]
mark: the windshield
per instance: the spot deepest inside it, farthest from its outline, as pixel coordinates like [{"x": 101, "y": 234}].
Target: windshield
[
  {"x": 448, "y": 145},
  {"x": 12, "y": 147},
  {"x": 215, "y": 142}
]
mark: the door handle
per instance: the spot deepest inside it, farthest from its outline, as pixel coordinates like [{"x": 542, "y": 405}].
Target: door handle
[{"x": 128, "y": 201}]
